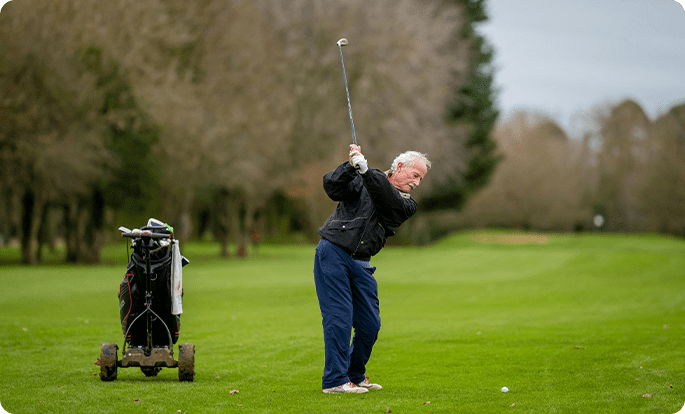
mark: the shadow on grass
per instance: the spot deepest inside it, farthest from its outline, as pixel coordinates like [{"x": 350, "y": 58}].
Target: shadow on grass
[{"x": 146, "y": 379}]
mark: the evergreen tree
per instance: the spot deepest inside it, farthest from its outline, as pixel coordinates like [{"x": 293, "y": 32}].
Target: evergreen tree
[{"x": 474, "y": 108}]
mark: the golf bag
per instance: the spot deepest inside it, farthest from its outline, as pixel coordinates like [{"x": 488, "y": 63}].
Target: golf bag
[{"x": 165, "y": 326}]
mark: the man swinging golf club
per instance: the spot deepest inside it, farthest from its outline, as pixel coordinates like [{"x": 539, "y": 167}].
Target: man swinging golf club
[{"x": 372, "y": 204}]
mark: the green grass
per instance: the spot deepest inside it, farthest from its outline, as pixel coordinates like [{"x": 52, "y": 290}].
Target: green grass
[{"x": 580, "y": 324}]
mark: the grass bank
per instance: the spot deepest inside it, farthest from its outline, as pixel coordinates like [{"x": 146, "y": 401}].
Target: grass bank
[{"x": 569, "y": 323}]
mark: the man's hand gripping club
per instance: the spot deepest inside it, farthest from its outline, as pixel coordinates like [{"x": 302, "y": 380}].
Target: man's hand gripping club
[{"x": 357, "y": 160}]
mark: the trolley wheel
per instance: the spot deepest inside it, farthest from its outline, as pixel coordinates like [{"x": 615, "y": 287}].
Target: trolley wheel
[
  {"x": 150, "y": 371},
  {"x": 108, "y": 362},
  {"x": 186, "y": 362}
]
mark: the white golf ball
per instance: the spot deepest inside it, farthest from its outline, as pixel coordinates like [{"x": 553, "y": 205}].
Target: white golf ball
[{"x": 505, "y": 389}]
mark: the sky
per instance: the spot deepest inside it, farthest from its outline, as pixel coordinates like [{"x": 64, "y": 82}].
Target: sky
[{"x": 564, "y": 58}]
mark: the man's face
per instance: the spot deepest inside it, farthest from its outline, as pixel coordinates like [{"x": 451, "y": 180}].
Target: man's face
[{"x": 408, "y": 177}]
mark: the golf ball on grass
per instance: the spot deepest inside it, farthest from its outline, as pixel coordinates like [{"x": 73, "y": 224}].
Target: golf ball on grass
[{"x": 505, "y": 389}]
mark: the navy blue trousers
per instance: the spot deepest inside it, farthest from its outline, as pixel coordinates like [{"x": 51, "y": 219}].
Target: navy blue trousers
[{"x": 348, "y": 298}]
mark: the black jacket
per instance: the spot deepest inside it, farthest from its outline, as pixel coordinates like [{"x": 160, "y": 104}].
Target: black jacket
[{"x": 369, "y": 210}]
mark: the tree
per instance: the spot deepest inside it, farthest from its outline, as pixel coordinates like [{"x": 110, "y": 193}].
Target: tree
[
  {"x": 47, "y": 117},
  {"x": 538, "y": 184},
  {"x": 473, "y": 109},
  {"x": 282, "y": 132},
  {"x": 240, "y": 99},
  {"x": 79, "y": 139},
  {"x": 622, "y": 158},
  {"x": 156, "y": 45},
  {"x": 662, "y": 190}
]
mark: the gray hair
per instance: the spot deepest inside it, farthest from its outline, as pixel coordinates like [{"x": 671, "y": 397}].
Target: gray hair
[{"x": 408, "y": 158}]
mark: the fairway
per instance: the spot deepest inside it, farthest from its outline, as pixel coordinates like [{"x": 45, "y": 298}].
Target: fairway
[{"x": 569, "y": 323}]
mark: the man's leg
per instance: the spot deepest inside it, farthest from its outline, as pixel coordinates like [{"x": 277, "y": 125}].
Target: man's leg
[
  {"x": 366, "y": 321},
  {"x": 331, "y": 276}
]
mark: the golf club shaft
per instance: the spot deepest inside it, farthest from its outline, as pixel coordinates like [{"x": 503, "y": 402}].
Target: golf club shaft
[{"x": 349, "y": 105}]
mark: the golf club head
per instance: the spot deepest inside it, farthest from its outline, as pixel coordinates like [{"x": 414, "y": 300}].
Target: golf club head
[{"x": 342, "y": 42}]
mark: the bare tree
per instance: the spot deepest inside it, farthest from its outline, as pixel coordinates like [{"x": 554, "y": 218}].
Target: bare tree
[
  {"x": 400, "y": 67},
  {"x": 537, "y": 184},
  {"x": 52, "y": 138},
  {"x": 662, "y": 189},
  {"x": 622, "y": 159},
  {"x": 243, "y": 100}
]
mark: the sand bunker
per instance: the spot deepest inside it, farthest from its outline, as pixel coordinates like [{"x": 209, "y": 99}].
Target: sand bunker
[{"x": 511, "y": 238}]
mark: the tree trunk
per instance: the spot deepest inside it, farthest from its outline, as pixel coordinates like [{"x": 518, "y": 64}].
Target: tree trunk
[
  {"x": 28, "y": 203},
  {"x": 224, "y": 231},
  {"x": 237, "y": 227},
  {"x": 186, "y": 225},
  {"x": 249, "y": 226},
  {"x": 93, "y": 219},
  {"x": 33, "y": 205},
  {"x": 224, "y": 221},
  {"x": 44, "y": 232},
  {"x": 71, "y": 230},
  {"x": 5, "y": 208}
]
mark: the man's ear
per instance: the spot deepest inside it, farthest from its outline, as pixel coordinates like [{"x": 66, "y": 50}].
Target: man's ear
[{"x": 399, "y": 165}]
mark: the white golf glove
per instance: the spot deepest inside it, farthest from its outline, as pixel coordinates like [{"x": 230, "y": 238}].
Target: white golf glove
[{"x": 359, "y": 162}]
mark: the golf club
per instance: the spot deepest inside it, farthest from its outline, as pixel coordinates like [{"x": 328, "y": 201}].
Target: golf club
[{"x": 343, "y": 42}]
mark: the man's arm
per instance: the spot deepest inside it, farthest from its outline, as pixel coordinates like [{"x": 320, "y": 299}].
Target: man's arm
[
  {"x": 342, "y": 183},
  {"x": 391, "y": 207}
]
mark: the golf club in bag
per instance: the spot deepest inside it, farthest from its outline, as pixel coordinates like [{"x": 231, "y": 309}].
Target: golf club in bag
[{"x": 150, "y": 307}]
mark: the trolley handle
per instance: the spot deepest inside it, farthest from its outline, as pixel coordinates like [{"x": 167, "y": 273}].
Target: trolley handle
[{"x": 145, "y": 234}]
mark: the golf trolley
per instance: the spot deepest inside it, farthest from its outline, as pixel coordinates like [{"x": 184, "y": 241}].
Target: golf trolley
[{"x": 150, "y": 329}]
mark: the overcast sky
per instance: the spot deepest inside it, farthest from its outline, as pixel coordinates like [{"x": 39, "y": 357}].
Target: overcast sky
[{"x": 565, "y": 57}]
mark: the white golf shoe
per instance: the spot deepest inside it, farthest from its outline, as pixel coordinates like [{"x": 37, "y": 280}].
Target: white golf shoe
[
  {"x": 348, "y": 387},
  {"x": 369, "y": 386}
]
